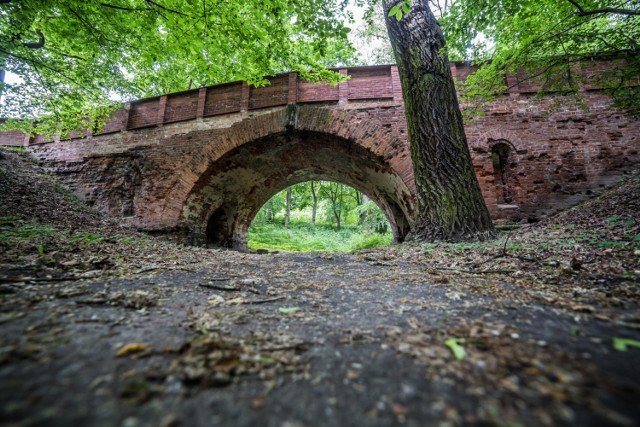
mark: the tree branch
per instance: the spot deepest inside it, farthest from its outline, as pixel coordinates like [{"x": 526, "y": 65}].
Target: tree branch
[
  {"x": 36, "y": 45},
  {"x": 612, "y": 10},
  {"x": 165, "y": 8},
  {"x": 128, "y": 9}
]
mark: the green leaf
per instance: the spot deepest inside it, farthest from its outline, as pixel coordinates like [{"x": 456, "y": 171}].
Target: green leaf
[
  {"x": 455, "y": 347},
  {"x": 288, "y": 310},
  {"x": 621, "y": 344},
  {"x": 395, "y": 10},
  {"x": 406, "y": 7},
  {"x": 266, "y": 360}
]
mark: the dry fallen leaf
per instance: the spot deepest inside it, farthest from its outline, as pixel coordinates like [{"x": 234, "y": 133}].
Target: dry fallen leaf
[
  {"x": 400, "y": 410},
  {"x": 257, "y": 402},
  {"x": 352, "y": 375},
  {"x": 583, "y": 308},
  {"x": 131, "y": 348}
]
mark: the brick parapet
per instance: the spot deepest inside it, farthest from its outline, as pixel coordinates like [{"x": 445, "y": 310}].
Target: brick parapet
[{"x": 366, "y": 84}]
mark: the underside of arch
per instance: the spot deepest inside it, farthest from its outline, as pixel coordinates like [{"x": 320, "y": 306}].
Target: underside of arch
[{"x": 226, "y": 198}]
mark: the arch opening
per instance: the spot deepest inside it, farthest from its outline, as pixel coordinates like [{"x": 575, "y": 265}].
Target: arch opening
[
  {"x": 319, "y": 216},
  {"x": 227, "y": 197},
  {"x": 501, "y": 157}
]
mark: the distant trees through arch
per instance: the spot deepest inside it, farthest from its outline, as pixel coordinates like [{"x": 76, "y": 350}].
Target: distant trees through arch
[{"x": 319, "y": 215}]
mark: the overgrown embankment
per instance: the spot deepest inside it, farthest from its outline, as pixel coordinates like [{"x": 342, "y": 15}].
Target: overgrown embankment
[
  {"x": 47, "y": 231},
  {"x": 30, "y": 194}
]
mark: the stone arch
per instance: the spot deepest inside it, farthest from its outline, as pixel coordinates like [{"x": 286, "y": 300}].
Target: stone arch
[
  {"x": 290, "y": 146},
  {"x": 503, "y": 161}
]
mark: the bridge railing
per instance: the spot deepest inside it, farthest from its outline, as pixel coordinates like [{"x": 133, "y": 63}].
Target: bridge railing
[
  {"x": 379, "y": 83},
  {"x": 372, "y": 83}
]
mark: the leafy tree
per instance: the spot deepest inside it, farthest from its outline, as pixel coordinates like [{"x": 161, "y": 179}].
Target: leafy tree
[
  {"x": 549, "y": 39},
  {"x": 372, "y": 218},
  {"x": 76, "y": 55},
  {"x": 340, "y": 200},
  {"x": 339, "y": 204}
]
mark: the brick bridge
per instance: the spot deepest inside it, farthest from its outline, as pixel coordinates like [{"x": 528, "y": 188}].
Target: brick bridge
[{"x": 199, "y": 164}]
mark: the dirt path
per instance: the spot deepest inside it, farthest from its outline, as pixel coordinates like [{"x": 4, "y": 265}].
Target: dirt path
[{"x": 308, "y": 340}]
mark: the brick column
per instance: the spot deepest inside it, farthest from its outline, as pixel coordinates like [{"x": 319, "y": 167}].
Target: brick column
[
  {"x": 396, "y": 87},
  {"x": 125, "y": 123},
  {"x": 343, "y": 89},
  {"x": 202, "y": 99},
  {"x": 244, "y": 97},
  {"x": 162, "y": 107},
  {"x": 292, "y": 97}
]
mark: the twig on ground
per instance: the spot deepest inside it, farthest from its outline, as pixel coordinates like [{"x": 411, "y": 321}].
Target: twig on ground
[
  {"x": 262, "y": 301},
  {"x": 228, "y": 288},
  {"x": 455, "y": 270},
  {"x": 38, "y": 279},
  {"x": 146, "y": 270}
]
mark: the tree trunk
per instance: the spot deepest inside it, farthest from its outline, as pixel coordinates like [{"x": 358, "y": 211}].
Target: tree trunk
[
  {"x": 363, "y": 215},
  {"x": 450, "y": 204},
  {"x": 270, "y": 213},
  {"x": 336, "y": 215},
  {"x": 288, "y": 214},
  {"x": 315, "y": 204},
  {"x": 337, "y": 205}
]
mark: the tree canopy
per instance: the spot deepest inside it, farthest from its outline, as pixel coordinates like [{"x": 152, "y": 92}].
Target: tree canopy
[
  {"x": 549, "y": 39},
  {"x": 73, "y": 55}
]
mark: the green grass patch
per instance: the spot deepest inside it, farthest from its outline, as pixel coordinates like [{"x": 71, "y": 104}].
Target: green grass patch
[
  {"x": 25, "y": 232},
  {"x": 17, "y": 149},
  {"x": 303, "y": 237}
]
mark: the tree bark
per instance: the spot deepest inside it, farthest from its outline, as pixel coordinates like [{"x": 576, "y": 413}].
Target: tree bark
[
  {"x": 363, "y": 215},
  {"x": 288, "y": 214},
  {"x": 450, "y": 204}
]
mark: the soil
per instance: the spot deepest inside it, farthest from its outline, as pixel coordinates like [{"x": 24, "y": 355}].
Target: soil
[{"x": 102, "y": 326}]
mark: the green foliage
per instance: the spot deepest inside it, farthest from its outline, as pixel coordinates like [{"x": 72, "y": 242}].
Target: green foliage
[
  {"x": 455, "y": 347},
  {"x": 20, "y": 150},
  {"x": 75, "y": 58},
  {"x": 551, "y": 40},
  {"x": 372, "y": 218},
  {"x": 17, "y": 231},
  {"x": 25, "y": 232},
  {"x": 344, "y": 222},
  {"x": 400, "y": 10},
  {"x": 371, "y": 40},
  {"x": 621, "y": 344},
  {"x": 303, "y": 237}
]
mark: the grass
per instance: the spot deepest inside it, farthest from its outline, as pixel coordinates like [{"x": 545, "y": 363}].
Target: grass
[
  {"x": 303, "y": 237},
  {"x": 17, "y": 149}
]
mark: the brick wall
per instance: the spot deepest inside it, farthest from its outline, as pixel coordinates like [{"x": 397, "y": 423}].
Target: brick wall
[{"x": 561, "y": 150}]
